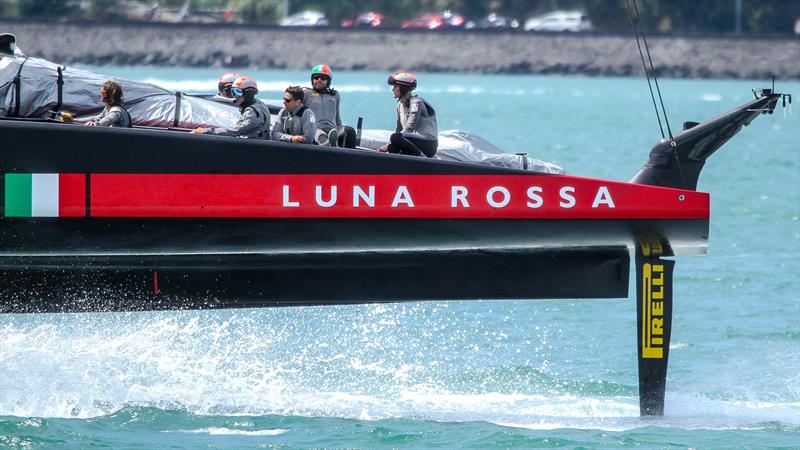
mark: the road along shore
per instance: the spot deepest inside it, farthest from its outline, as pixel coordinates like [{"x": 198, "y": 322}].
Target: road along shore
[{"x": 195, "y": 45}]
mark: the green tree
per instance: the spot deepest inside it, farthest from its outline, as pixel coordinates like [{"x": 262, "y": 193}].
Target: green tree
[
  {"x": 775, "y": 16},
  {"x": 104, "y": 9},
  {"x": 53, "y": 9}
]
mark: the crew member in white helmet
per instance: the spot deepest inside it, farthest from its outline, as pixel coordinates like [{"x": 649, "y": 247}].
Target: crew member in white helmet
[
  {"x": 416, "y": 132},
  {"x": 254, "y": 121}
]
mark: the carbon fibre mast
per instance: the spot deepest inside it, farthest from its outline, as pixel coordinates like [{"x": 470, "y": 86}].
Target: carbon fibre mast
[{"x": 676, "y": 163}]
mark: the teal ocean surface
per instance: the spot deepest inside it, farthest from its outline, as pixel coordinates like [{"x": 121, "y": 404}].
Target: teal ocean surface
[{"x": 483, "y": 374}]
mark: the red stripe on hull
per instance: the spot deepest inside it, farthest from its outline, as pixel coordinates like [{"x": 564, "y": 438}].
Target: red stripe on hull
[
  {"x": 71, "y": 195},
  {"x": 433, "y": 197}
]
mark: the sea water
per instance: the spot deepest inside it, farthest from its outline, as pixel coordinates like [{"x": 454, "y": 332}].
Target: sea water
[{"x": 483, "y": 374}]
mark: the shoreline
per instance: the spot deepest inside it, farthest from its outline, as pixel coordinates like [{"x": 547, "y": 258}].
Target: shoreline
[{"x": 471, "y": 51}]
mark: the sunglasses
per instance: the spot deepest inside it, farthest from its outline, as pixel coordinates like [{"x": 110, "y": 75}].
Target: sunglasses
[
  {"x": 237, "y": 92},
  {"x": 317, "y": 77},
  {"x": 287, "y": 100}
]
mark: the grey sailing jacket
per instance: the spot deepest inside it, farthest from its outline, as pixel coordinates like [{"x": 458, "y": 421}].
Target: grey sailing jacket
[
  {"x": 417, "y": 116},
  {"x": 114, "y": 116},
  {"x": 253, "y": 124},
  {"x": 300, "y": 121},
  {"x": 325, "y": 106}
]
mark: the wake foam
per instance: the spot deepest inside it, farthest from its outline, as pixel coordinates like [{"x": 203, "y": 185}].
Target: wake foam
[
  {"x": 341, "y": 362},
  {"x": 221, "y": 431}
]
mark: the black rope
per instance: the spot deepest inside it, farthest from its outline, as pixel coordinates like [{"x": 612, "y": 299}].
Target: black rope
[
  {"x": 358, "y": 130},
  {"x": 653, "y": 70},
  {"x": 644, "y": 66},
  {"x": 177, "y": 119},
  {"x": 18, "y": 88},
  {"x": 60, "y": 98}
]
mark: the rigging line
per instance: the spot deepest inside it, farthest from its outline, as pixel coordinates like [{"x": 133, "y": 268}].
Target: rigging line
[
  {"x": 644, "y": 66},
  {"x": 653, "y": 70}
]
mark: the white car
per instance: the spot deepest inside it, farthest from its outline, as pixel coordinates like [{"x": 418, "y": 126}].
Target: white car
[
  {"x": 559, "y": 21},
  {"x": 305, "y": 19}
]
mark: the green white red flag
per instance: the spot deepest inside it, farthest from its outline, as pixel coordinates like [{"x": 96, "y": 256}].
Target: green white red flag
[{"x": 45, "y": 195}]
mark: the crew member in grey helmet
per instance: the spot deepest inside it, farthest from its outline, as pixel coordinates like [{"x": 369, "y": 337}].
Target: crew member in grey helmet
[
  {"x": 224, "y": 84},
  {"x": 254, "y": 121},
  {"x": 416, "y": 132},
  {"x": 324, "y": 101}
]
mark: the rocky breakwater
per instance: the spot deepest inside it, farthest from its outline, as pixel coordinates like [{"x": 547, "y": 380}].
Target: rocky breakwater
[{"x": 443, "y": 51}]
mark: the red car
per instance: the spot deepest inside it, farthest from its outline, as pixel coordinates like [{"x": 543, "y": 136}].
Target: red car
[
  {"x": 369, "y": 19},
  {"x": 434, "y": 21}
]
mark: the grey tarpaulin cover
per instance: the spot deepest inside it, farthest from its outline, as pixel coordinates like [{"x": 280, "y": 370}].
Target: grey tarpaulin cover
[
  {"x": 457, "y": 145},
  {"x": 151, "y": 105}
]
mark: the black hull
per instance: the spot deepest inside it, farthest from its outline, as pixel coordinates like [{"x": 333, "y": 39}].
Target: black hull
[
  {"x": 53, "y": 147},
  {"x": 140, "y": 264},
  {"x": 75, "y": 264},
  {"x": 142, "y": 237},
  {"x": 82, "y": 284}
]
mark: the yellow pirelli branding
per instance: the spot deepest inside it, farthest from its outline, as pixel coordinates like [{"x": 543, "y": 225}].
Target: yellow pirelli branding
[
  {"x": 650, "y": 246},
  {"x": 653, "y": 311}
]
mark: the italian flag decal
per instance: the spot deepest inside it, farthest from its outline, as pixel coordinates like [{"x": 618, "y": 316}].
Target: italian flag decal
[{"x": 45, "y": 195}]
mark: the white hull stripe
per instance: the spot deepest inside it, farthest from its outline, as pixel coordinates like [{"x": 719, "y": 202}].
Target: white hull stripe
[{"x": 44, "y": 195}]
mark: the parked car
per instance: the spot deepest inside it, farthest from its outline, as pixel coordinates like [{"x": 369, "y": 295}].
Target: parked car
[
  {"x": 446, "y": 19},
  {"x": 370, "y": 19},
  {"x": 425, "y": 21},
  {"x": 305, "y": 19},
  {"x": 453, "y": 20},
  {"x": 559, "y": 21},
  {"x": 494, "y": 21}
]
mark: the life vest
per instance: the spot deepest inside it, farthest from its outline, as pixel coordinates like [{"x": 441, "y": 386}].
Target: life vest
[{"x": 289, "y": 114}]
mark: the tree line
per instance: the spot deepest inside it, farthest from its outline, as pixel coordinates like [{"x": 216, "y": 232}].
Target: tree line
[{"x": 666, "y": 16}]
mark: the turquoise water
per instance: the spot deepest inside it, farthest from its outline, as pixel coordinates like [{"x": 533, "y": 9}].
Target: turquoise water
[{"x": 551, "y": 374}]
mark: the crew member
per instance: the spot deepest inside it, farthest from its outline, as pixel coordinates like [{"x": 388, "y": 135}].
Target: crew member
[
  {"x": 416, "y": 132},
  {"x": 295, "y": 122},
  {"x": 225, "y": 82},
  {"x": 114, "y": 114},
  {"x": 324, "y": 101},
  {"x": 254, "y": 121}
]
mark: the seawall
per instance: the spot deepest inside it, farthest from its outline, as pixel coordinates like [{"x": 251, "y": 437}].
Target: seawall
[{"x": 195, "y": 45}]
